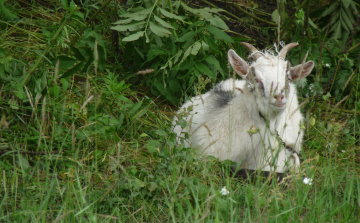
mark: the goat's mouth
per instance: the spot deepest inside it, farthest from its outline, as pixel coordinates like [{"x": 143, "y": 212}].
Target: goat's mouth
[{"x": 279, "y": 105}]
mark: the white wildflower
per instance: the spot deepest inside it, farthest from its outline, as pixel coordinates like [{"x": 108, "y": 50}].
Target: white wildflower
[
  {"x": 224, "y": 191},
  {"x": 307, "y": 181},
  {"x": 327, "y": 65}
]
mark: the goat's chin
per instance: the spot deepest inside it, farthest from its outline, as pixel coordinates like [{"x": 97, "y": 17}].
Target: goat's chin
[{"x": 278, "y": 107}]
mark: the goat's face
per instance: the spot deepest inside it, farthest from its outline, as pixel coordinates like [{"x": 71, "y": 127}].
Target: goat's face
[{"x": 271, "y": 76}]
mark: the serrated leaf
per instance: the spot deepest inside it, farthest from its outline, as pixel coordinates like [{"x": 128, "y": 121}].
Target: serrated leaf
[
  {"x": 329, "y": 10},
  {"x": 135, "y": 14},
  {"x": 199, "y": 12},
  {"x": 186, "y": 54},
  {"x": 152, "y": 146},
  {"x": 170, "y": 15},
  {"x": 219, "y": 33},
  {"x": 129, "y": 27},
  {"x": 123, "y": 21},
  {"x": 158, "y": 30},
  {"x": 186, "y": 36},
  {"x": 133, "y": 37},
  {"x": 205, "y": 70},
  {"x": 218, "y": 22},
  {"x": 195, "y": 48},
  {"x": 162, "y": 22},
  {"x": 177, "y": 56}
]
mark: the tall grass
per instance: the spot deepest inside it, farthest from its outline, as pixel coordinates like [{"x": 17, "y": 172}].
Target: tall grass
[{"x": 91, "y": 148}]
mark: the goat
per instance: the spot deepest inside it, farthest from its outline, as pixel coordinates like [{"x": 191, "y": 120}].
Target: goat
[{"x": 254, "y": 122}]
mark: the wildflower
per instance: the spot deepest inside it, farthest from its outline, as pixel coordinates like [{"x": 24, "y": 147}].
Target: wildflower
[
  {"x": 224, "y": 191},
  {"x": 307, "y": 181}
]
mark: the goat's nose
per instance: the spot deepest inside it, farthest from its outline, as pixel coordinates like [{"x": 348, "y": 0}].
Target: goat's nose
[{"x": 279, "y": 97}]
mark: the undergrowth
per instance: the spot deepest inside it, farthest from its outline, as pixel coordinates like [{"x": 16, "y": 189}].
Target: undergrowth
[{"x": 86, "y": 115}]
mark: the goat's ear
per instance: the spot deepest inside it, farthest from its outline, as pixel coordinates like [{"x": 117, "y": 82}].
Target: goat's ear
[
  {"x": 295, "y": 71},
  {"x": 239, "y": 65}
]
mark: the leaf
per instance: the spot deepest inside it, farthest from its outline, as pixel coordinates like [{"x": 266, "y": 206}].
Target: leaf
[
  {"x": 313, "y": 24},
  {"x": 129, "y": 27},
  {"x": 186, "y": 54},
  {"x": 102, "y": 57},
  {"x": 329, "y": 10},
  {"x": 161, "y": 132},
  {"x": 124, "y": 21},
  {"x": 205, "y": 70},
  {"x": 195, "y": 48},
  {"x": 55, "y": 91},
  {"x": 137, "y": 14},
  {"x": 162, "y": 22},
  {"x": 65, "y": 62},
  {"x": 133, "y": 37},
  {"x": 186, "y": 36},
  {"x": 153, "y": 52},
  {"x": 23, "y": 162},
  {"x": 65, "y": 84},
  {"x": 213, "y": 61},
  {"x": 343, "y": 24},
  {"x": 218, "y": 22},
  {"x": 158, "y": 30},
  {"x": 2, "y": 52},
  {"x": 204, "y": 46},
  {"x": 346, "y": 20},
  {"x": 275, "y": 16},
  {"x": 73, "y": 70},
  {"x": 170, "y": 15},
  {"x": 337, "y": 31},
  {"x": 152, "y": 146},
  {"x": 346, "y": 3},
  {"x": 219, "y": 33},
  {"x": 177, "y": 56},
  {"x": 77, "y": 53},
  {"x": 354, "y": 8},
  {"x": 135, "y": 107}
]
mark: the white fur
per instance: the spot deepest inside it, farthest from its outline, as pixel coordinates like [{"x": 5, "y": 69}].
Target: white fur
[{"x": 221, "y": 130}]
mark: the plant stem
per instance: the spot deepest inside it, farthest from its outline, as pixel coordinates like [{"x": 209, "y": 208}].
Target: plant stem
[
  {"x": 243, "y": 10},
  {"x": 49, "y": 46},
  {"x": 292, "y": 18}
]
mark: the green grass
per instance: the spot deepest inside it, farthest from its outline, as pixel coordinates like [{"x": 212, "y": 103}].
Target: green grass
[{"x": 91, "y": 148}]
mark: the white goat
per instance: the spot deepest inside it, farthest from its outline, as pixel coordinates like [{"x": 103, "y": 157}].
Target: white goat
[{"x": 254, "y": 122}]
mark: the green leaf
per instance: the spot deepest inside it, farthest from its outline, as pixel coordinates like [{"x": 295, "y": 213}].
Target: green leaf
[
  {"x": 186, "y": 36},
  {"x": 158, "y": 30},
  {"x": 161, "y": 132},
  {"x": 23, "y": 162},
  {"x": 133, "y": 37},
  {"x": 2, "y": 52},
  {"x": 153, "y": 146},
  {"x": 65, "y": 84},
  {"x": 73, "y": 70},
  {"x": 205, "y": 70},
  {"x": 65, "y": 62},
  {"x": 124, "y": 21},
  {"x": 346, "y": 3},
  {"x": 177, "y": 56},
  {"x": 55, "y": 91},
  {"x": 102, "y": 57},
  {"x": 170, "y": 15},
  {"x": 329, "y": 10},
  {"x": 129, "y": 27},
  {"x": 162, "y": 22},
  {"x": 337, "y": 31},
  {"x": 186, "y": 54},
  {"x": 77, "y": 53},
  {"x": 218, "y": 22},
  {"x": 219, "y": 33},
  {"x": 275, "y": 16},
  {"x": 153, "y": 52},
  {"x": 196, "y": 47},
  {"x": 343, "y": 24},
  {"x": 354, "y": 8},
  {"x": 213, "y": 61},
  {"x": 137, "y": 14},
  {"x": 346, "y": 20},
  {"x": 135, "y": 107},
  {"x": 204, "y": 46}
]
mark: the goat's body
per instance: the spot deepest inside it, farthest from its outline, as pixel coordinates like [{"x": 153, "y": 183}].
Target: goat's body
[{"x": 220, "y": 120}]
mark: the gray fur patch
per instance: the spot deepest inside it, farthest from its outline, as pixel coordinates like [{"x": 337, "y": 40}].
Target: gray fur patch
[{"x": 221, "y": 97}]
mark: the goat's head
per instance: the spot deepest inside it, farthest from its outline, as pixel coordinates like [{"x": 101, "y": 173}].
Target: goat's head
[{"x": 271, "y": 75}]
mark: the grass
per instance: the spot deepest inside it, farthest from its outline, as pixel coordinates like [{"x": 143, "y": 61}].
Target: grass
[{"x": 91, "y": 148}]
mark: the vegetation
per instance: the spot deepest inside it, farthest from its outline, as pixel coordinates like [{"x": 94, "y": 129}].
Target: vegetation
[{"x": 88, "y": 92}]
